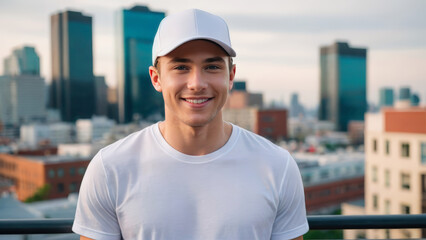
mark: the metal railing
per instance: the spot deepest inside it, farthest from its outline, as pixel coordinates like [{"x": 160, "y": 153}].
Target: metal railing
[{"x": 320, "y": 222}]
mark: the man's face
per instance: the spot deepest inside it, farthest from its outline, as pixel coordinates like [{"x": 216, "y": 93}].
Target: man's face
[{"x": 195, "y": 80}]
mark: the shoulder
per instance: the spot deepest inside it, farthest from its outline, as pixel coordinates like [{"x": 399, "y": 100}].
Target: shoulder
[
  {"x": 128, "y": 146},
  {"x": 259, "y": 143},
  {"x": 262, "y": 151}
]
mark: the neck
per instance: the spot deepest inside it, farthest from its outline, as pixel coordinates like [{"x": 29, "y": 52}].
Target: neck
[{"x": 196, "y": 140}]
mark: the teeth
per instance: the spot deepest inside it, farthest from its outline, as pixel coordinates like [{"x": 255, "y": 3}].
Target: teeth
[{"x": 196, "y": 101}]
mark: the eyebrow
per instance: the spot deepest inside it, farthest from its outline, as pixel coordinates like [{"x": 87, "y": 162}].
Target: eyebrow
[
  {"x": 179, "y": 60},
  {"x": 214, "y": 59},
  {"x": 186, "y": 60}
]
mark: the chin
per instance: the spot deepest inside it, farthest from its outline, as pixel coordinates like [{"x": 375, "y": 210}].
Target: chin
[{"x": 198, "y": 122}]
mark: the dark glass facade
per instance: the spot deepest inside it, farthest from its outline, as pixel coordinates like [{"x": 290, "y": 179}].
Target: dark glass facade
[
  {"x": 72, "y": 88},
  {"x": 343, "y": 86},
  {"x": 239, "y": 86},
  {"x": 137, "y": 98},
  {"x": 386, "y": 97}
]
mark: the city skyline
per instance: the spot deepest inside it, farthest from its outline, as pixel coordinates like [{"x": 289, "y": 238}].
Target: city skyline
[{"x": 277, "y": 42}]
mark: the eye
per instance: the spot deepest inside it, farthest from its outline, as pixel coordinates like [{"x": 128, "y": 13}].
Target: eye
[
  {"x": 181, "y": 67},
  {"x": 213, "y": 67}
]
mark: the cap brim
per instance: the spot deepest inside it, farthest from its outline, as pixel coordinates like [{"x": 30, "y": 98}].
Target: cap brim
[{"x": 224, "y": 46}]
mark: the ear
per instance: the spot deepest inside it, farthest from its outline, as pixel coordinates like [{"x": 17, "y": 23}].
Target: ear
[
  {"x": 155, "y": 78},
  {"x": 232, "y": 76}
]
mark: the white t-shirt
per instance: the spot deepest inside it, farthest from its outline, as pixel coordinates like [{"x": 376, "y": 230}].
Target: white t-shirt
[{"x": 141, "y": 188}]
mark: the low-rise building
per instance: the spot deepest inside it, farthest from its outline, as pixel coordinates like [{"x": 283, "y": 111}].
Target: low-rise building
[
  {"x": 395, "y": 167},
  {"x": 331, "y": 179},
  {"x": 61, "y": 175},
  {"x": 33, "y": 135},
  {"x": 91, "y": 130}
]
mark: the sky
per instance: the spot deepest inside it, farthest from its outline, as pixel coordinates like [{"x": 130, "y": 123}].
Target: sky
[{"x": 277, "y": 41}]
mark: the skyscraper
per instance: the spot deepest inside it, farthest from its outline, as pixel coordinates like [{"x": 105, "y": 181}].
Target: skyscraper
[
  {"x": 386, "y": 97},
  {"x": 296, "y": 109},
  {"x": 136, "y": 28},
  {"x": 22, "y": 90},
  {"x": 22, "y": 99},
  {"x": 22, "y": 61},
  {"x": 101, "y": 100},
  {"x": 72, "y": 89},
  {"x": 342, "y": 84}
]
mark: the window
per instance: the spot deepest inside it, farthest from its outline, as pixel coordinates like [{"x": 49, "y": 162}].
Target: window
[
  {"x": 406, "y": 233},
  {"x": 51, "y": 173},
  {"x": 81, "y": 170},
  {"x": 387, "y": 234},
  {"x": 423, "y": 183},
  {"x": 387, "y": 147},
  {"x": 306, "y": 178},
  {"x": 374, "y": 174},
  {"x": 268, "y": 130},
  {"x": 73, "y": 187},
  {"x": 405, "y": 150},
  {"x": 423, "y": 152},
  {"x": 374, "y": 145},
  {"x": 60, "y": 172},
  {"x": 375, "y": 202},
  {"x": 405, "y": 209},
  {"x": 268, "y": 118},
  {"x": 405, "y": 181},
  {"x": 324, "y": 174},
  {"x": 387, "y": 178},
  {"x": 387, "y": 207},
  {"x": 60, "y": 187},
  {"x": 72, "y": 171},
  {"x": 324, "y": 193}
]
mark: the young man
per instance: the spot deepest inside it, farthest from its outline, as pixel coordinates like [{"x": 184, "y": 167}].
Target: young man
[{"x": 192, "y": 176}]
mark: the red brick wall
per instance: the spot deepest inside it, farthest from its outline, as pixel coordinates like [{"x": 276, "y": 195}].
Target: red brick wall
[
  {"x": 272, "y": 124},
  {"x": 67, "y": 179},
  {"x": 26, "y": 175},
  {"x": 406, "y": 121},
  {"x": 29, "y": 175},
  {"x": 333, "y": 193}
]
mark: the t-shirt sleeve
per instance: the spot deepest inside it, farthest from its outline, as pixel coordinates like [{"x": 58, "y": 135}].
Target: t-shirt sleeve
[
  {"x": 95, "y": 214},
  {"x": 291, "y": 221}
]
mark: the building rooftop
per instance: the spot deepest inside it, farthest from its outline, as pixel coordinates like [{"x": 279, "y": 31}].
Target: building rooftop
[
  {"x": 322, "y": 169},
  {"x": 12, "y": 208},
  {"x": 56, "y": 208},
  {"x": 57, "y": 158}
]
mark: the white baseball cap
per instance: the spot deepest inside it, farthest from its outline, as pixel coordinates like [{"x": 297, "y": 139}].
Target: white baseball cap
[{"x": 188, "y": 25}]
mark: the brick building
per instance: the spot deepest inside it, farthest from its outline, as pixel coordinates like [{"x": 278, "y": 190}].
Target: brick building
[
  {"x": 272, "y": 123},
  {"x": 30, "y": 173},
  {"x": 331, "y": 179}
]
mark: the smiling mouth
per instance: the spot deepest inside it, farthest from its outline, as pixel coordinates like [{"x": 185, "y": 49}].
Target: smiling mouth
[{"x": 197, "y": 101}]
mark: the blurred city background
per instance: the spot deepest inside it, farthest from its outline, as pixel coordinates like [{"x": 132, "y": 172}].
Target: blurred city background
[{"x": 340, "y": 84}]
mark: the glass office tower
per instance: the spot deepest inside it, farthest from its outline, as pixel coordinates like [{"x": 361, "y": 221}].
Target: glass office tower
[
  {"x": 342, "y": 84},
  {"x": 72, "y": 89},
  {"x": 386, "y": 97},
  {"x": 22, "y": 61},
  {"x": 137, "y": 98}
]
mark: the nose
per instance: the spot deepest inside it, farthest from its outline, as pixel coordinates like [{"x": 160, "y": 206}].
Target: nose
[{"x": 196, "y": 81}]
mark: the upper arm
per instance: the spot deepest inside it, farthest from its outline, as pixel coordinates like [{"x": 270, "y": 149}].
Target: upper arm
[
  {"x": 95, "y": 213},
  {"x": 298, "y": 238},
  {"x": 290, "y": 220}
]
